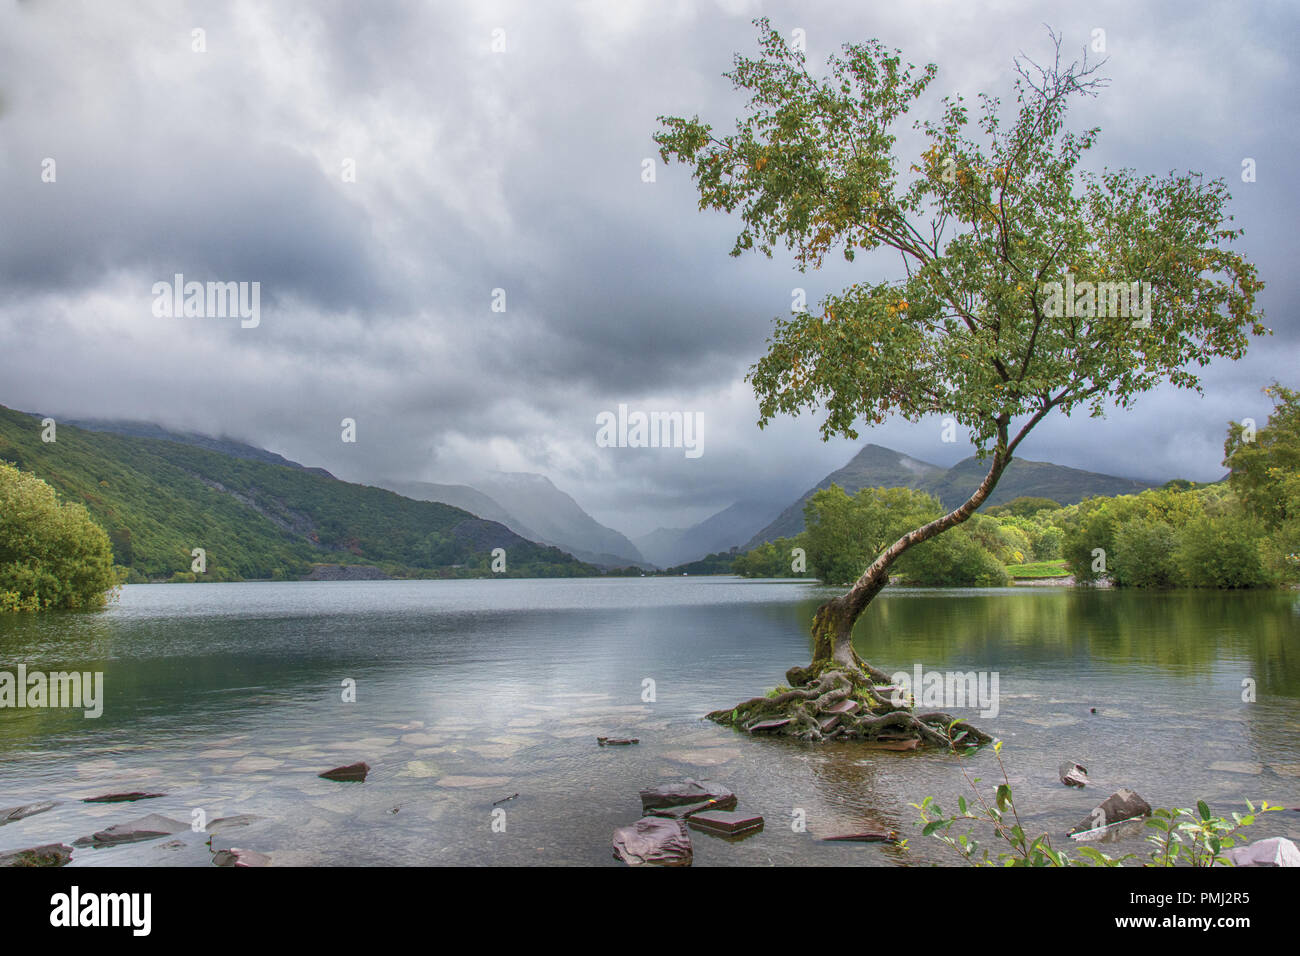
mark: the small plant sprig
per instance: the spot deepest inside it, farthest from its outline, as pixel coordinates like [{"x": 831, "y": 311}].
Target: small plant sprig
[
  {"x": 1197, "y": 838},
  {"x": 1181, "y": 837}
]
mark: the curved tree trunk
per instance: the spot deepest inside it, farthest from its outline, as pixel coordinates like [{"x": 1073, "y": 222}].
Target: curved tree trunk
[
  {"x": 832, "y": 626},
  {"x": 842, "y": 697}
]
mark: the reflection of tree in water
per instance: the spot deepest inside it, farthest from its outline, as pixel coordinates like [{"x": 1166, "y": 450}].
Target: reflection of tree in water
[{"x": 1185, "y": 632}]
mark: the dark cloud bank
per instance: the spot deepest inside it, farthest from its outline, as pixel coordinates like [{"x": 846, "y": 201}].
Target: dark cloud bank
[{"x": 520, "y": 171}]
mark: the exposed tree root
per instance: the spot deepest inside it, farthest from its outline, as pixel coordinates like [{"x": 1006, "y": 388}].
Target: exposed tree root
[{"x": 828, "y": 701}]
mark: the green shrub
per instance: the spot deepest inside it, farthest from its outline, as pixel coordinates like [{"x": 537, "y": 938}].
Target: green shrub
[
  {"x": 1225, "y": 552},
  {"x": 52, "y": 555},
  {"x": 1143, "y": 554},
  {"x": 953, "y": 559}
]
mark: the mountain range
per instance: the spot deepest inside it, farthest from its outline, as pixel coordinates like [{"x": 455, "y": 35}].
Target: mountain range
[
  {"x": 519, "y": 510},
  {"x": 533, "y": 507},
  {"x": 669, "y": 547},
  {"x": 160, "y": 495},
  {"x": 876, "y": 466}
]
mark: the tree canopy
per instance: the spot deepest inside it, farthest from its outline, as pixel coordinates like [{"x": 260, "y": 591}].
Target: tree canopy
[{"x": 984, "y": 221}]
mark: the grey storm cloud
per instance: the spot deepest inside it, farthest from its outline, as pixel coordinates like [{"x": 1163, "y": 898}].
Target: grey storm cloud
[{"x": 520, "y": 171}]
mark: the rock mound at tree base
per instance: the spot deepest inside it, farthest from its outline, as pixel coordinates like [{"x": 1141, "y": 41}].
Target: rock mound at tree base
[{"x": 830, "y": 701}]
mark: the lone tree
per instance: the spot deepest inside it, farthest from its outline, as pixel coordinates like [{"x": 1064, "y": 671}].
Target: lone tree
[{"x": 1028, "y": 286}]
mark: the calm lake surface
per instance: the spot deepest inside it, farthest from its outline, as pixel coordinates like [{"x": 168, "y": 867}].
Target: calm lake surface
[{"x": 228, "y": 698}]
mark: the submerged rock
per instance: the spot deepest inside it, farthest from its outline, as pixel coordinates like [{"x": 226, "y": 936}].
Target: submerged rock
[
  {"x": 51, "y": 854},
  {"x": 863, "y": 836},
  {"x": 123, "y": 797},
  {"x": 1073, "y": 774},
  {"x": 353, "y": 772},
  {"x": 234, "y": 856},
  {"x": 654, "y": 841},
  {"x": 472, "y": 783},
  {"x": 13, "y": 814},
  {"x": 1121, "y": 805},
  {"x": 1275, "y": 851},
  {"x": 136, "y": 831},
  {"x": 907, "y": 743},
  {"x": 228, "y": 823},
  {"x": 617, "y": 741},
  {"x": 680, "y": 800}
]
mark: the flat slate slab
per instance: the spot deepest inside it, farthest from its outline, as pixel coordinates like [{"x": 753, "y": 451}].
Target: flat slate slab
[
  {"x": 681, "y": 800},
  {"x": 687, "y": 810},
  {"x": 13, "y": 814},
  {"x": 123, "y": 797},
  {"x": 50, "y": 854},
  {"x": 726, "y": 822},
  {"x": 654, "y": 841},
  {"x": 827, "y": 724},
  {"x": 353, "y": 772},
  {"x": 767, "y": 726},
  {"x": 146, "y": 828},
  {"x": 845, "y": 706}
]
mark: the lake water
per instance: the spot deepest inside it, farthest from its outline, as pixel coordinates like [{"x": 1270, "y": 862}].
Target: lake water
[{"x": 228, "y": 698}]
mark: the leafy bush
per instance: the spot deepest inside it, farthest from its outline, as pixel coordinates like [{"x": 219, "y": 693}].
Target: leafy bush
[
  {"x": 845, "y": 534},
  {"x": 953, "y": 559},
  {"x": 1265, "y": 475},
  {"x": 1224, "y": 552},
  {"x": 1143, "y": 554},
  {"x": 52, "y": 555},
  {"x": 772, "y": 559},
  {"x": 1023, "y": 507},
  {"x": 1095, "y": 523}
]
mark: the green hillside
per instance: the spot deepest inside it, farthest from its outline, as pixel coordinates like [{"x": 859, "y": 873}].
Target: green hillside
[{"x": 159, "y": 499}]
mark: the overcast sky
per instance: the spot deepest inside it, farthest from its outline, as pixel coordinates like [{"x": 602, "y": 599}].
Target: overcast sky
[{"x": 521, "y": 170}]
